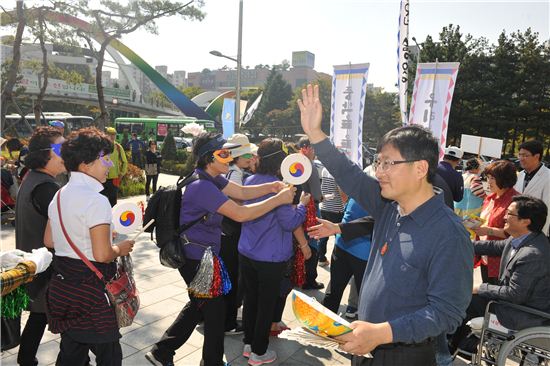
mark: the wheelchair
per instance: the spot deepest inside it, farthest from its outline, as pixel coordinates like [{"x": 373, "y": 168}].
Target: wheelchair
[{"x": 501, "y": 346}]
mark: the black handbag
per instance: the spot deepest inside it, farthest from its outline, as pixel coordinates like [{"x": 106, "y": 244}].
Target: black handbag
[
  {"x": 11, "y": 333},
  {"x": 172, "y": 254}
]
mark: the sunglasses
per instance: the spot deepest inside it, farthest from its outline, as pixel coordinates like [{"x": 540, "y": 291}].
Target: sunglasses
[
  {"x": 246, "y": 156},
  {"x": 105, "y": 159},
  {"x": 56, "y": 148},
  {"x": 223, "y": 156}
]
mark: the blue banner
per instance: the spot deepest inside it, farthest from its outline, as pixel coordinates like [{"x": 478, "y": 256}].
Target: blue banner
[{"x": 228, "y": 117}]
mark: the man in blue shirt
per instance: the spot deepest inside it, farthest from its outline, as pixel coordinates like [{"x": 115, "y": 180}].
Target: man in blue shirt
[
  {"x": 447, "y": 170},
  {"x": 135, "y": 146},
  {"x": 419, "y": 276}
]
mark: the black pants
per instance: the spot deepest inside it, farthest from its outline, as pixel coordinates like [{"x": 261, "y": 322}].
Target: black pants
[
  {"x": 399, "y": 355},
  {"x": 335, "y": 217},
  {"x": 475, "y": 309},
  {"x": 149, "y": 179},
  {"x": 110, "y": 191},
  {"x": 212, "y": 311},
  {"x": 230, "y": 256},
  {"x": 311, "y": 267},
  {"x": 262, "y": 284},
  {"x": 30, "y": 338},
  {"x": 343, "y": 266},
  {"x": 73, "y": 353}
]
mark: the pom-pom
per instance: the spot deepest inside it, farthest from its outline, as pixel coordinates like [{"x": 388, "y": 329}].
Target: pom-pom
[
  {"x": 202, "y": 283},
  {"x": 193, "y": 129},
  {"x": 14, "y": 303}
]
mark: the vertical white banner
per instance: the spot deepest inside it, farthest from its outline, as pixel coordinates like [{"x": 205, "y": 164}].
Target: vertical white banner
[
  {"x": 432, "y": 96},
  {"x": 349, "y": 88},
  {"x": 403, "y": 59}
]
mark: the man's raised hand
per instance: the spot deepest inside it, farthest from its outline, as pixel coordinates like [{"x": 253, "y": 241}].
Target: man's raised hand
[{"x": 311, "y": 113}]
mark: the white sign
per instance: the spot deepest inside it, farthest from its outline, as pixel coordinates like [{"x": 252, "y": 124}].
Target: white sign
[
  {"x": 481, "y": 146},
  {"x": 349, "y": 87},
  {"x": 432, "y": 96}
]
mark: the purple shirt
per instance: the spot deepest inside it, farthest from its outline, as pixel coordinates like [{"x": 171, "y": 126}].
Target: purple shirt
[
  {"x": 200, "y": 198},
  {"x": 269, "y": 237}
]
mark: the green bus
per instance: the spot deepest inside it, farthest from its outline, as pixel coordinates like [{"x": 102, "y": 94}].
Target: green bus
[{"x": 158, "y": 127}]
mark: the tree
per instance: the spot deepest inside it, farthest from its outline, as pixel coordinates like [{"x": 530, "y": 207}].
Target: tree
[
  {"x": 277, "y": 95},
  {"x": 111, "y": 19},
  {"x": 380, "y": 116},
  {"x": 7, "y": 89},
  {"x": 169, "y": 150},
  {"x": 191, "y": 91}
]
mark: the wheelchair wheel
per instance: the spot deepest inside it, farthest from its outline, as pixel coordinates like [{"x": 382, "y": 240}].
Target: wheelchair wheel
[{"x": 530, "y": 347}]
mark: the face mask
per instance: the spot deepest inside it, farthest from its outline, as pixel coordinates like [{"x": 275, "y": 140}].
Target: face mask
[
  {"x": 105, "y": 159},
  {"x": 56, "y": 148},
  {"x": 223, "y": 156}
]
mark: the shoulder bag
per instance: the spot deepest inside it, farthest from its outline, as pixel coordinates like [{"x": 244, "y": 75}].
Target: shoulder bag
[{"x": 121, "y": 289}]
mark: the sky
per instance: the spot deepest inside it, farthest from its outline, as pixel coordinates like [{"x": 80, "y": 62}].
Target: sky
[{"x": 336, "y": 31}]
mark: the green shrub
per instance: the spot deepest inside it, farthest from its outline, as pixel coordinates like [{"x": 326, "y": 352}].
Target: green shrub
[
  {"x": 168, "y": 150},
  {"x": 181, "y": 156},
  {"x": 131, "y": 188}
]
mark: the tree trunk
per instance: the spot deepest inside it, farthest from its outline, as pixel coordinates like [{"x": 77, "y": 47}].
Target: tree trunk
[
  {"x": 7, "y": 93},
  {"x": 104, "y": 115},
  {"x": 44, "y": 86}
]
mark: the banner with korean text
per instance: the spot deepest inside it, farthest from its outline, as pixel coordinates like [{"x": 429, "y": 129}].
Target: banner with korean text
[
  {"x": 349, "y": 88},
  {"x": 228, "y": 117},
  {"x": 403, "y": 59},
  {"x": 432, "y": 96}
]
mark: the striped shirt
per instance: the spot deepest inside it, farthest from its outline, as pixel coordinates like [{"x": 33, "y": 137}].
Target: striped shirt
[{"x": 328, "y": 186}]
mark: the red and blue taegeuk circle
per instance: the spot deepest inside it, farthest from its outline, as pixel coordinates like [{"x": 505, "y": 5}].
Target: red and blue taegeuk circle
[
  {"x": 127, "y": 218},
  {"x": 296, "y": 169}
]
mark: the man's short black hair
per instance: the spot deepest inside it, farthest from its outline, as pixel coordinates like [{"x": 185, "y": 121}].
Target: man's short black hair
[
  {"x": 533, "y": 209},
  {"x": 39, "y": 147},
  {"x": 304, "y": 142},
  {"x": 472, "y": 164},
  {"x": 14, "y": 144},
  {"x": 84, "y": 146},
  {"x": 450, "y": 157},
  {"x": 414, "y": 143},
  {"x": 534, "y": 147}
]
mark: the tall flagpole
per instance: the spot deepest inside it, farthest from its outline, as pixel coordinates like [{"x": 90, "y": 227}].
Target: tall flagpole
[{"x": 403, "y": 59}]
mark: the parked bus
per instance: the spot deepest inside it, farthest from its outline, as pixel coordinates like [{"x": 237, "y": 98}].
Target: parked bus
[
  {"x": 71, "y": 122},
  {"x": 158, "y": 127}
]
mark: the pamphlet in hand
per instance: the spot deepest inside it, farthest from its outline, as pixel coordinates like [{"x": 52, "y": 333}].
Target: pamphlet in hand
[{"x": 472, "y": 222}]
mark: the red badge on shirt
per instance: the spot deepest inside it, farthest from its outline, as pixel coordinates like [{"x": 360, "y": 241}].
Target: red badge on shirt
[{"x": 384, "y": 249}]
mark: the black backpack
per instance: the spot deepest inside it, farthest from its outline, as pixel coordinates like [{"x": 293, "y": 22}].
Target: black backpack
[{"x": 164, "y": 206}]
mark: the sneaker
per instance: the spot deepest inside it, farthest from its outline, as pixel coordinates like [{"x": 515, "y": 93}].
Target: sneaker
[
  {"x": 247, "y": 350},
  {"x": 268, "y": 357},
  {"x": 324, "y": 263},
  {"x": 235, "y": 331},
  {"x": 351, "y": 312},
  {"x": 150, "y": 356},
  {"x": 313, "y": 286}
]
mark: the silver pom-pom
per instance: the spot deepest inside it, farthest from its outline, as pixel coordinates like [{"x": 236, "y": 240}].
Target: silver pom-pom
[{"x": 202, "y": 283}]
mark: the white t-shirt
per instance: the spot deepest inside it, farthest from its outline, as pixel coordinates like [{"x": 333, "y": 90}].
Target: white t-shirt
[{"x": 82, "y": 208}]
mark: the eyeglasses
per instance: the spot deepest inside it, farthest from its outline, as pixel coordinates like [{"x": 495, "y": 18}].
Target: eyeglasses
[
  {"x": 524, "y": 155},
  {"x": 508, "y": 213},
  {"x": 385, "y": 165},
  {"x": 223, "y": 156},
  {"x": 105, "y": 159}
]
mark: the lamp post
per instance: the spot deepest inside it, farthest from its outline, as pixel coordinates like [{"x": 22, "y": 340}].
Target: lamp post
[
  {"x": 238, "y": 60},
  {"x": 419, "y": 49}
]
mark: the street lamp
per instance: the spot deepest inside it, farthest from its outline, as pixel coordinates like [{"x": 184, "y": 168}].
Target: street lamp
[
  {"x": 238, "y": 60},
  {"x": 419, "y": 49}
]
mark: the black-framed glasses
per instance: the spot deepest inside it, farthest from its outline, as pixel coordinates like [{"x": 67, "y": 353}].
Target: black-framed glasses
[
  {"x": 385, "y": 165},
  {"x": 508, "y": 213}
]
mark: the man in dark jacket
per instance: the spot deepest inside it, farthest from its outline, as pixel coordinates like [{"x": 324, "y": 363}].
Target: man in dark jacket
[{"x": 524, "y": 269}]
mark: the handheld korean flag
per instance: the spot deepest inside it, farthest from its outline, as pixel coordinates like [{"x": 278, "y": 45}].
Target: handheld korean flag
[
  {"x": 127, "y": 217},
  {"x": 296, "y": 169}
]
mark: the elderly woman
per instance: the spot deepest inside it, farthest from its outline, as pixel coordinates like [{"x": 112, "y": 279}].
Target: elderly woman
[
  {"x": 265, "y": 247},
  {"x": 204, "y": 203},
  {"x": 501, "y": 177},
  {"x": 35, "y": 194},
  {"x": 79, "y": 215}
]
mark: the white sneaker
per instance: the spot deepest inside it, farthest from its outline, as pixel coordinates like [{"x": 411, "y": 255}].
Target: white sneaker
[
  {"x": 268, "y": 357},
  {"x": 247, "y": 350}
]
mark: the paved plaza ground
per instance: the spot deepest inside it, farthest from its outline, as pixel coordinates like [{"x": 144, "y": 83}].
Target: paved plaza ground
[{"x": 163, "y": 294}]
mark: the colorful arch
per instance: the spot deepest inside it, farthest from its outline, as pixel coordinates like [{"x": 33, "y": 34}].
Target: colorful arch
[
  {"x": 215, "y": 107},
  {"x": 181, "y": 101}
]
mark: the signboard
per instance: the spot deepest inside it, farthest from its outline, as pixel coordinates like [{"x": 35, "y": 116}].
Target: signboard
[
  {"x": 162, "y": 129},
  {"x": 228, "y": 117},
  {"x": 481, "y": 146}
]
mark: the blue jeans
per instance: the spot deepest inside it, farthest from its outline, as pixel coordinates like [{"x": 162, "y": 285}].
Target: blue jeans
[{"x": 442, "y": 355}]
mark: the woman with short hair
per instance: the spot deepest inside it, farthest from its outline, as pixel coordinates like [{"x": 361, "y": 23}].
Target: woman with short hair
[
  {"x": 78, "y": 306},
  {"x": 31, "y": 215},
  {"x": 153, "y": 160},
  {"x": 501, "y": 177}
]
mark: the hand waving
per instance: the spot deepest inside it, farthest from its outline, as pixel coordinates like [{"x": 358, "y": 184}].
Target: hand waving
[{"x": 311, "y": 113}]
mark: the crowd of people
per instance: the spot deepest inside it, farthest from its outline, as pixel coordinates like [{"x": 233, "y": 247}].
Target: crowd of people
[{"x": 400, "y": 241}]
